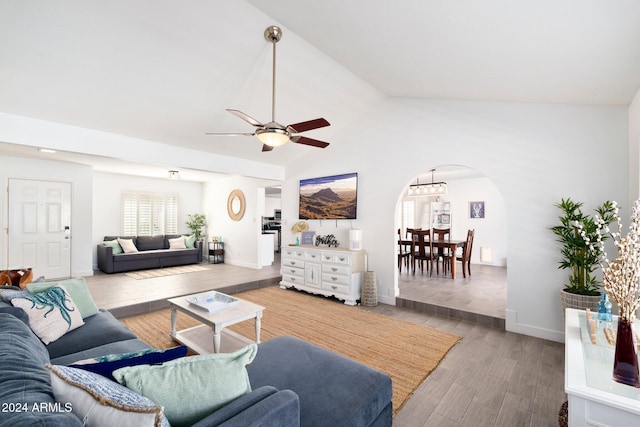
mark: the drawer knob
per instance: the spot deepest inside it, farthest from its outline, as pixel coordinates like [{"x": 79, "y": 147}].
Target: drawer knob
[
  {"x": 334, "y": 269},
  {"x": 293, "y": 279},
  {"x": 293, "y": 271},
  {"x": 334, "y": 287},
  {"x": 334, "y": 278},
  {"x": 293, "y": 263}
]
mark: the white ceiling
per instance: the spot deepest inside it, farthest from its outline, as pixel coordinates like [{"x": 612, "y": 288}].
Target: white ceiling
[{"x": 165, "y": 71}]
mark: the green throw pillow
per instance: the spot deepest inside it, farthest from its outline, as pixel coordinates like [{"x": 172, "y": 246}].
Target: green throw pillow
[
  {"x": 117, "y": 249},
  {"x": 78, "y": 291},
  {"x": 193, "y": 387},
  {"x": 190, "y": 241}
]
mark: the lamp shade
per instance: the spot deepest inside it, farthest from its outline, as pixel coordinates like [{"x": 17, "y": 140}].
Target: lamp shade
[{"x": 272, "y": 137}]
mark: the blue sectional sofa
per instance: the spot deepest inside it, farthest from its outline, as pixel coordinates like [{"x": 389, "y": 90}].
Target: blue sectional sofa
[
  {"x": 293, "y": 382},
  {"x": 153, "y": 252}
]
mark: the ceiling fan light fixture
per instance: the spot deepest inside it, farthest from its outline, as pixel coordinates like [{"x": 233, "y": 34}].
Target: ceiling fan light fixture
[{"x": 272, "y": 137}]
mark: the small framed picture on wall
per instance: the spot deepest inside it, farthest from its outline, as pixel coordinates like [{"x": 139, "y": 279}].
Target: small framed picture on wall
[{"x": 476, "y": 210}]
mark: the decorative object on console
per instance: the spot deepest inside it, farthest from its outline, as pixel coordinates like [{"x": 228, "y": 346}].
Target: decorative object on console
[
  {"x": 308, "y": 237},
  {"x": 299, "y": 227},
  {"x": 355, "y": 240},
  {"x": 274, "y": 134},
  {"x": 329, "y": 197},
  {"x": 620, "y": 281},
  {"x": 196, "y": 222},
  {"x": 329, "y": 240}
]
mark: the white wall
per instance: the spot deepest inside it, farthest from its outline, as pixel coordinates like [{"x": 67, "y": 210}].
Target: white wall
[
  {"x": 491, "y": 231},
  {"x": 634, "y": 148},
  {"x": 271, "y": 204},
  {"x": 241, "y": 238},
  {"x": 535, "y": 154},
  {"x": 80, "y": 177},
  {"x": 107, "y": 201}
]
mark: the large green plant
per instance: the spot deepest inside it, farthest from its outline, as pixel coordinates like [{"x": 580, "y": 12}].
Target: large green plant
[
  {"x": 196, "y": 222},
  {"x": 577, "y": 257}
]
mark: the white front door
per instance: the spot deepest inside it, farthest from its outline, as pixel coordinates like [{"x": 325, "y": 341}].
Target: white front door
[{"x": 40, "y": 227}]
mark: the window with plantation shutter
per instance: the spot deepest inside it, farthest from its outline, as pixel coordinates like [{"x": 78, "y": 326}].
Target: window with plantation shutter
[
  {"x": 149, "y": 214},
  {"x": 408, "y": 214}
]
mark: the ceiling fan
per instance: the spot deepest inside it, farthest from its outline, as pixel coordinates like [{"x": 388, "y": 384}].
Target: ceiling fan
[{"x": 273, "y": 134}]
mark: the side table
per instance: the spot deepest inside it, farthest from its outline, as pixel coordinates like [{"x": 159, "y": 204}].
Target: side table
[{"x": 216, "y": 252}]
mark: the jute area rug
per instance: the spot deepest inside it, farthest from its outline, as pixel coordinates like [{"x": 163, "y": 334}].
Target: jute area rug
[
  {"x": 406, "y": 351},
  {"x": 161, "y": 272}
]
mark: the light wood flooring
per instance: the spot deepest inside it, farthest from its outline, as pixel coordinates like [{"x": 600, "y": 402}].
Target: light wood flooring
[{"x": 491, "y": 378}]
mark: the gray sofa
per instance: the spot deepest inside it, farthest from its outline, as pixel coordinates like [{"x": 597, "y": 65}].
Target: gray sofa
[
  {"x": 153, "y": 252},
  {"x": 294, "y": 383}
]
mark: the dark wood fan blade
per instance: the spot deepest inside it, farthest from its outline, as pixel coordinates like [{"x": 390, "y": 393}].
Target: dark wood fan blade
[
  {"x": 266, "y": 147},
  {"x": 229, "y": 134},
  {"x": 309, "y": 141},
  {"x": 309, "y": 125},
  {"x": 245, "y": 117}
]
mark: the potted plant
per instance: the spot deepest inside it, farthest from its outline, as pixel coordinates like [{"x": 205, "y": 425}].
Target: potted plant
[
  {"x": 196, "y": 222},
  {"x": 575, "y": 231}
]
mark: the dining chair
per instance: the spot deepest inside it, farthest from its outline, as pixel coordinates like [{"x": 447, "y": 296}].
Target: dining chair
[
  {"x": 405, "y": 251},
  {"x": 423, "y": 249},
  {"x": 443, "y": 253},
  {"x": 465, "y": 256}
]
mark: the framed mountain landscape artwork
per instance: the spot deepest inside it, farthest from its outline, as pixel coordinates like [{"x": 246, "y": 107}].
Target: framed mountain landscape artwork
[{"x": 329, "y": 197}]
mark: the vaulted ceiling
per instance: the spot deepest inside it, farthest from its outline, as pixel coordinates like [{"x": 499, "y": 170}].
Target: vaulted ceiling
[{"x": 165, "y": 71}]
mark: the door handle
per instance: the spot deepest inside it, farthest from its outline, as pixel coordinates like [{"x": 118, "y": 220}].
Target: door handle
[{"x": 67, "y": 232}]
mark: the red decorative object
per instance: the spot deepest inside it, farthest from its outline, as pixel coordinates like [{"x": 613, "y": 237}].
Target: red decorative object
[{"x": 625, "y": 365}]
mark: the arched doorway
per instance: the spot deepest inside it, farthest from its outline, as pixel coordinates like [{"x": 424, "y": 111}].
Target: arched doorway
[{"x": 472, "y": 201}]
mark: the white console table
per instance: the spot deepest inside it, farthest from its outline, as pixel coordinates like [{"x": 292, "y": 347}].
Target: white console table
[
  {"x": 324, "y": 271},
  {"x": 595, "y": 399}
]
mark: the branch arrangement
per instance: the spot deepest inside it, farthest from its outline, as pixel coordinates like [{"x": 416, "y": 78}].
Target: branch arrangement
[{"x": 621, "y": 276}]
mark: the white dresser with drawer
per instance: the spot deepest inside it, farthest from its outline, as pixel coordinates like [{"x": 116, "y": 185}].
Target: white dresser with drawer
[{"x": 324, "y": 271}]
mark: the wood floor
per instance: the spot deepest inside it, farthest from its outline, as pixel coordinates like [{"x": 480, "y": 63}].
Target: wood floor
[{"x": 491, "y": 378}]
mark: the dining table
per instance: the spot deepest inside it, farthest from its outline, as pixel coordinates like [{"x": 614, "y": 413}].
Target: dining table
[{"x": 453, "y": 245}]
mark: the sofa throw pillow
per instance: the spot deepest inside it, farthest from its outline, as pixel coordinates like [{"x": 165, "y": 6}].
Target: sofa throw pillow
[
  {"x": 52, "y": 313},
  {"x": 115, "y": 246},
  {"x": 100, "y": 402},
  {"x": 190, "y": 241},
  {"x": 105, "y": 365},
  {"x": 193, "y": 387},
  {"x": 127, "y": 245},
  {"x": 177, "y": 243},
  {"x": 78, "y": 291}
]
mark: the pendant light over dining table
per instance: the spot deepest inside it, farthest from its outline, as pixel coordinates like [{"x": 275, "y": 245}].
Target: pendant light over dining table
[{"x": 429, "y": 189}]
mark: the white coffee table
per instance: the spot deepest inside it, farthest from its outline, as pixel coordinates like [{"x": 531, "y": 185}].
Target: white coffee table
[{"x": 211, "y": 337}]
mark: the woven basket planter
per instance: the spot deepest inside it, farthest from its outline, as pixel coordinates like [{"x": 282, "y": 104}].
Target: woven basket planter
[
  {"x": 580, "y": 302},
  {"x": 369, "y": 292}
]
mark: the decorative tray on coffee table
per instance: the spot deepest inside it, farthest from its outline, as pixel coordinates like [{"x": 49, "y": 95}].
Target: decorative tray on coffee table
[{"x": 213, "y": 301}]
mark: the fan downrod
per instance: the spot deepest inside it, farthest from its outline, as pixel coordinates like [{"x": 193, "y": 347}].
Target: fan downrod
[{"x": 273, "y": 34}]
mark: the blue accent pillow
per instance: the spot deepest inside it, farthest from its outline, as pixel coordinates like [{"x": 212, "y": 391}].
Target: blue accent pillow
[{"x": 105, "y": 365}]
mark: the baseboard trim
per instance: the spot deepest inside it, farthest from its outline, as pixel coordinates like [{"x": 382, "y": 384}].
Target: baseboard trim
[{"x": 512, "y": 325}]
